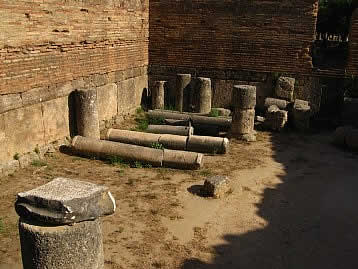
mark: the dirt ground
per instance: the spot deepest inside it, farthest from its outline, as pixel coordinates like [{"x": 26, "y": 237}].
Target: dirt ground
[{"x": 293, "y": 205}]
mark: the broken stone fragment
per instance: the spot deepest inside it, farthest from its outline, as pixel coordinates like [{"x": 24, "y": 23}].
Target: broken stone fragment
[
  {"x": 216, "y": 186},
  {"x": 285, "y": 88},
  {"x": 276, "y": 119},
  {"x": 65, "y": 201}
]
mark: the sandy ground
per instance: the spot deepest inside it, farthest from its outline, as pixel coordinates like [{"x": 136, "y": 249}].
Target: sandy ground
[{"x": 293, "y": 205}]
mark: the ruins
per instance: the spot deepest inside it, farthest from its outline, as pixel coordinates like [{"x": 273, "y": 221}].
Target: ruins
[{"x": 206, "y": 75}]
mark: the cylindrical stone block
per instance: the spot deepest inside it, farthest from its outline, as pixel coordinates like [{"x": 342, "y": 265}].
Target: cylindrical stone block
[
  {"x": 281, "y": 104},
  {"x": 183, "y": 159},
  {"x": 131, "y": 137},
  {"x": 104, "y": 149},
  {"x": 208, "y": 144},
  {"x": 168, "y": 129},
  {"x": 243, "y": 122},
  {"x": 67, "y": 247},
  {"x": 158, "y": 95},
  {"x": 244, "y": 97},
  {"x": 182, "y": 83},
  {"x": 176, "y": 142},
  {"x": 204, "y": 86},
  {"x": 87, "y": 113},
  {"x": 159, "y": 114}
]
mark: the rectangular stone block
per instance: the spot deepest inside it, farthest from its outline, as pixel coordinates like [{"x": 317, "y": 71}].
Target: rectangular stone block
[
  {"x": 24, "y": 130},
  {"x": 285, "y": 88},
  {"x": 126, "y": 95},
  {"x": 107, "y": 98},
  {"x": 55, "y": 119},
  {"x": 37, "y": 95},
  {"x": 9, "y": 102}
]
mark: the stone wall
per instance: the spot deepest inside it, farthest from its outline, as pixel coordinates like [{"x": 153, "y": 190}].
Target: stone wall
[{"x": 50, "y": 48}]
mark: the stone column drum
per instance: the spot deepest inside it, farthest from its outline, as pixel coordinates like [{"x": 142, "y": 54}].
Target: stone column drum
[
  {"x": 87, "y": 113},
  {"x": 243, "y": 102},
  {"x": 204, "y": 95},
  {"x": 59, "y": 224},
  {"x": 158, "y": 95},
  {"x": 182, "y": 83}
]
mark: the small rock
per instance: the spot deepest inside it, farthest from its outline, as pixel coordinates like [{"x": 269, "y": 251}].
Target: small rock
[
  {"x": 10, "y": 167},
  {"x": 216, "y": 186},
  {"x": 249, "y": 137},
  {"x": 65, "y": 201},
  {"x": 260, "y": 119}
]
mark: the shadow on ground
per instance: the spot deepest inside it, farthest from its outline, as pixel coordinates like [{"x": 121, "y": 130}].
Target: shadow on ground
[{"x": 312, "y": 215}]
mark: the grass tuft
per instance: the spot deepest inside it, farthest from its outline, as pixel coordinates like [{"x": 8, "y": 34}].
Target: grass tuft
[
  {"x": 38, "y": 163},
  {"x": 214, "y": 113}
]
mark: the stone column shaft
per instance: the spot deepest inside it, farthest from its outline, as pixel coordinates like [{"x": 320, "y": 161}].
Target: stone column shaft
[
  {"x": 158, "y": 95},
  {"x": 78, "y": 246},
  {"x": 205, "y": 93},
  {"x": 243, "y": 101},
  {"x": 87, "y": 113},
  {"x": 182, "y": 84}
]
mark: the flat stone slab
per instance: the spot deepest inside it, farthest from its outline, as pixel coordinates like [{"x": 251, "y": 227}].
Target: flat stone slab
[
  {"x": 65, "y": 201},
  {"x": 216, "y": 186}
]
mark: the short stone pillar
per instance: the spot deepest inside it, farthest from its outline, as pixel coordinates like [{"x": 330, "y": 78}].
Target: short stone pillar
[
  {"x": 87, "y": 113},
  {"x": 59, "y": 224},
  {"x": 158, "y": 95},
  {"x": 301, "y": 115},
  {"x": 243, "y": 119},
  {"x": 205, "y": 92},
  {"x": 182, "y": 83},
  {"x": 285, "y": 88}
]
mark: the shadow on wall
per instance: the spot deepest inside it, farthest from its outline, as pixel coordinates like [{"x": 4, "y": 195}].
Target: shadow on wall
[
  {"x": 72, "y": 114},
  {"x": 312, "y": 215}
]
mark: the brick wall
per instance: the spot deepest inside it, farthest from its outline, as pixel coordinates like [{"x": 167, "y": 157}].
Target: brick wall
[
  {"x": 50, "y": 48},
  {"x": 352, "y": 66},
  {"x": 270, "y": 36}
]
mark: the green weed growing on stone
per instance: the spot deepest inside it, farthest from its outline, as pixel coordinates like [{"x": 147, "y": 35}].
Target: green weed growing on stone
[
  {"x": 137, "y": 164},
  {"x": 157, "y": 121},
  {"x": 38, "y": 163},
  {"x": 169, "y": 107},
  {"x": 37, "y": 150},
  {"x": 116, "y": 160},
  {"x": 16, "y": 156},
  {"x": 214, "y": 113},
  {"x": 139, "y": 110},
  {"x": 157, "y": 145}
]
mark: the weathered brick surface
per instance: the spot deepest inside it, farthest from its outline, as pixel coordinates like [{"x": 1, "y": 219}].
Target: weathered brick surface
[
  {"x": 46, "y": 42},
  {"x": 50, "y": 48},
  {"x": 236, "y": 35},
  {"x": 352, "y": 66}
]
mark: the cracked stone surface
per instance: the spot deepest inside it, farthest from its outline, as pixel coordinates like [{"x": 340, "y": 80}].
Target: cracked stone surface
[{"x": 65, "y": 201}]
